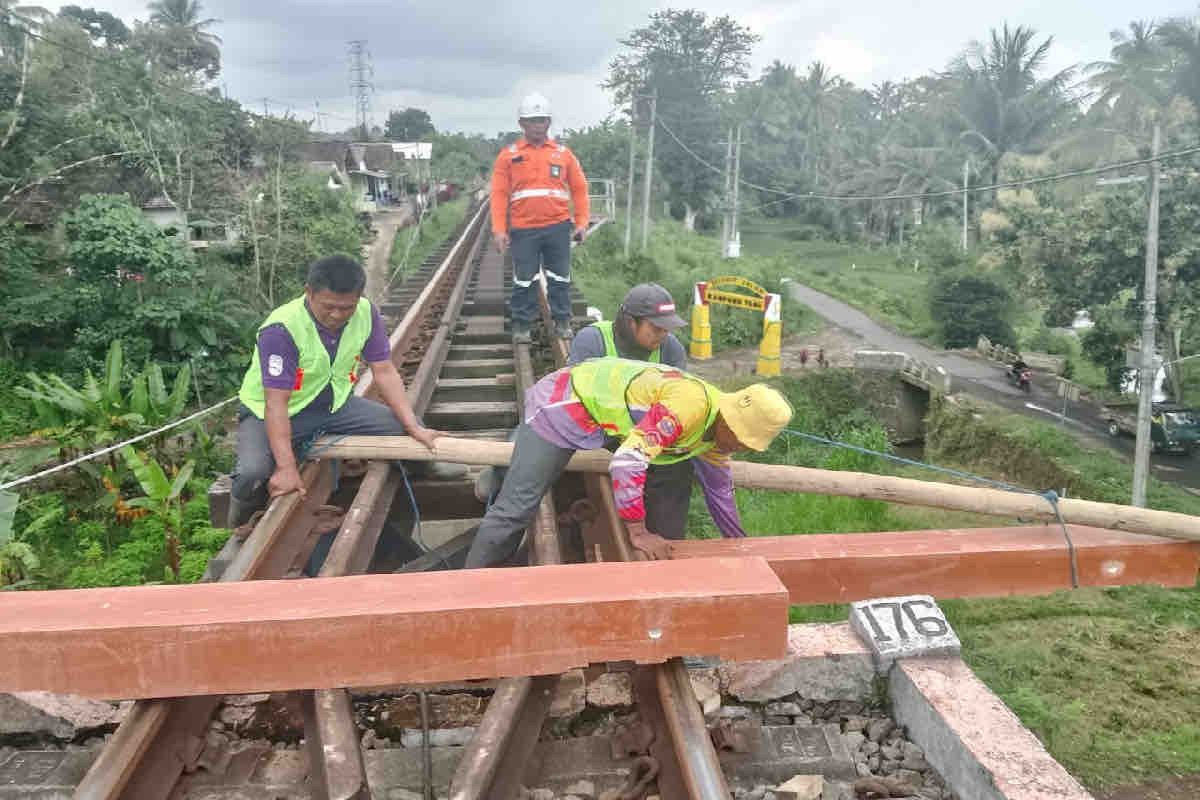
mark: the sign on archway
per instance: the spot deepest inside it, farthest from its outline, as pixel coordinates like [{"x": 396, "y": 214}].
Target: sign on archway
[{"x": 722, "y": 291}]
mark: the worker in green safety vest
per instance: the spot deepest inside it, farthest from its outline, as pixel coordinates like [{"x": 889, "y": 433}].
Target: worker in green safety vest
[
  {"x": 300, "y": 384},
  {"x": 659, "y": 414},
  {"x": 642, "y": 331}
]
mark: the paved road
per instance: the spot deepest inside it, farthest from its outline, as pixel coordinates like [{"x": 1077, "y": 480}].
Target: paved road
[{"x": 987, "y": 380}]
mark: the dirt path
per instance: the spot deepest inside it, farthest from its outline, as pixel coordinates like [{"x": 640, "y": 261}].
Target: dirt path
[{"x": 386, "y": 223}]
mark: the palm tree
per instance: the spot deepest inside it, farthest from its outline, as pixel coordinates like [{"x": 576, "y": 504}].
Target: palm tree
[
  {"x": 185, "y": 15},
  {"x": 1004, "y": 105},
  {"x": 1134, "y": 82},
  {"x": 1182, "y": 36}
]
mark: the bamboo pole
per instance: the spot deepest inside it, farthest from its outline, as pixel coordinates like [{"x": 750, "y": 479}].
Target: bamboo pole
[{"x": 906, "y": 491}]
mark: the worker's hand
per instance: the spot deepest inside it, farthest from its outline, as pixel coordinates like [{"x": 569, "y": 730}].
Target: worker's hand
[
  {"x": 426, "y": 436},
  {"x": 502, "y": 240},
  {"x": 579, "y": 233},
  {"x": 285, "y": 480},
  {"x": 653, "y": 546}
]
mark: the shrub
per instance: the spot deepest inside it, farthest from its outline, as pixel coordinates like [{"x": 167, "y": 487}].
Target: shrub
[{"x": 966, "y": 306}]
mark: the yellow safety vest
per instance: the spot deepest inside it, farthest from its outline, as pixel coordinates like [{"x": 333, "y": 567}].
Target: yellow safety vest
[
  {"x": 602, "y": 385},
  {"x": 315, "y": 369}
]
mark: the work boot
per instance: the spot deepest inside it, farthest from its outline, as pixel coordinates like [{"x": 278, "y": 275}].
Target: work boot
[
  {"x": 521, "y": 334},
  {"x": 562, "y": 329}
]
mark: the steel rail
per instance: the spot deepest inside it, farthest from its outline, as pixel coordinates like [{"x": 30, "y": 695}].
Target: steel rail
[
  {"x": 498, "y": 757},
  {"x": 695, "y": 759},
  {"x": 160, "y": 738},
  {"x": 337, "y": 769}
]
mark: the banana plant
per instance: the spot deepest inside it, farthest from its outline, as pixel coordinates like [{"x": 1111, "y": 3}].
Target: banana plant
[
  {"x": 17, "y": 559},
  {"x": 164, "y": 499},
  {"x": 99, "y": 413}
]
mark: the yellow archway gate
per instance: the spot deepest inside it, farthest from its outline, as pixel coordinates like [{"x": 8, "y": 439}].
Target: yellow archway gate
[{"x": 759, "y": 299}]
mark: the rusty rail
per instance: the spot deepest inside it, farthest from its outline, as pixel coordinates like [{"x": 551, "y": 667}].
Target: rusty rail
[
  {"x": 693, "y": 773},
  {"x": 160, "y": 738},
  {"x": 498, "y": 757}
]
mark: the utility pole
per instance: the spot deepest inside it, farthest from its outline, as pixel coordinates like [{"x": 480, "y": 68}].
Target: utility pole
[
  {"x": 1146, "y": 371},
  {"x": 361, "y": 73},
  {"x": 266, "y": 107},
  {"x": 629, "y": 186},
  {"x": 726, "y": 226},
  {"x": 737, "y": 179},
  {"x": 966, "y": 180},
  {"x": 649, "y": 169}
]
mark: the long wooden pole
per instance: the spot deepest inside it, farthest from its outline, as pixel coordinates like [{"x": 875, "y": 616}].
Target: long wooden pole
[{"x": 994, "y": 502}]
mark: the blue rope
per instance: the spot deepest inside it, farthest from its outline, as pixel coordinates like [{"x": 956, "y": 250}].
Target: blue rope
[
  {"x": 306, "y": 450},
  {"x": 1050, "y": 496}
]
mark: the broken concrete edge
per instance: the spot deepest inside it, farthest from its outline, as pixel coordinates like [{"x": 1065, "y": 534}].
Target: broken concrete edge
[{"x": 969, "y": 735}]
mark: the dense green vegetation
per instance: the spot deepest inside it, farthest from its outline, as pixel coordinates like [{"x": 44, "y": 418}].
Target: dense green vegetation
[
  {"x": 1108, "y": 679},
  {"x": 413, "y": 245},
  {"x": 677, "y": 260}
]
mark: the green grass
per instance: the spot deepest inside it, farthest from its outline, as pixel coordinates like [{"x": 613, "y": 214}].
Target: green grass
[
  {"x": 870, "y": 280},
  {"x": 1108, "y": 679},
  {"x": 991, "y": 441},
  {"x": 895, "y": 292},
  {"x": 677, "y": 260},
  {"x": 436, "y": 226}
]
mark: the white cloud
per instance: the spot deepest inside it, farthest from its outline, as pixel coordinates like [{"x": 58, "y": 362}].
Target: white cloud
[
  {"x": 849, "y": 58},
  {"x": 468, "y": 62}
]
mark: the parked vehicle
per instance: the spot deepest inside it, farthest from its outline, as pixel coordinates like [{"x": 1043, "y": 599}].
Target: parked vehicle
[{"x": 1173, "y": 428}]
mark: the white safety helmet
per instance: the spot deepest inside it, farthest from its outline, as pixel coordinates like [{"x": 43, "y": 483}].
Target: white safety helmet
[{"x": 534, "y": 105}]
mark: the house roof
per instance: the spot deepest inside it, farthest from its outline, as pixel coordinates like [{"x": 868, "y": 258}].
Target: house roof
[
  {"x": 334, "y": 151},
  {"x": 387, "y": 157}
]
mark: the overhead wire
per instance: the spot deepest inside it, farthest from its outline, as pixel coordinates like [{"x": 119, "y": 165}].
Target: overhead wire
[{"x": 1014, "y": 184}]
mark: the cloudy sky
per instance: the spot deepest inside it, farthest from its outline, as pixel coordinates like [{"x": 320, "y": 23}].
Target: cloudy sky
[{"x": 468, "y": 61}]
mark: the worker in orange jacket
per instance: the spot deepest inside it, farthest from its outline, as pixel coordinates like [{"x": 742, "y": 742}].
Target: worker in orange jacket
[{"x": 532, "y": 181}]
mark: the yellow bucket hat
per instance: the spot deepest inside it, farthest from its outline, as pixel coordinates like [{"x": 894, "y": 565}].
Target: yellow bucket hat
[{"x": 755, "y": 414}]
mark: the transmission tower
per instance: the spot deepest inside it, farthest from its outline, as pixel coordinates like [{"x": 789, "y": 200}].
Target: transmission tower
[{"x": 361, "y": 73}]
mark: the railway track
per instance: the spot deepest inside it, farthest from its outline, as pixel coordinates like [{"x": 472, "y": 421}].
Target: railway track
[{"x": 463, "y": 376}]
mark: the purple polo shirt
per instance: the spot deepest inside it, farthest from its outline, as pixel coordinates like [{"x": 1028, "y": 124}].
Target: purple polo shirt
[{"x": 279, "y": 357}]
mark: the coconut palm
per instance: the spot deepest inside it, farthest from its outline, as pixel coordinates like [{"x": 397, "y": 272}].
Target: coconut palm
[
  {"x": 1182, "y": 36},
  {"x": 1135, "y": 81},
  {"x": 1003, "y": 105},
  {"x": 186, "y": 15}
]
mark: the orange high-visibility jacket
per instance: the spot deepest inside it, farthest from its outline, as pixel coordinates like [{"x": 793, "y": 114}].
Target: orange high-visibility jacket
[{"x": 531, "y": 186}]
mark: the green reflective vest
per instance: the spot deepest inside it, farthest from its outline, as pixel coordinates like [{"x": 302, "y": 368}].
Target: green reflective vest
[
  {"x": 315, "y": 370},
  {"x": 602, "y": 385},
  {"x": 610, "y": 344}
]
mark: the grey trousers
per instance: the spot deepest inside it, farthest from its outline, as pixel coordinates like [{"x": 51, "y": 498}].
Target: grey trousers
[
  {"x": 536, "y": 465},
  {"x": 256, "y": 464},
  {"x": 534, "y": 468}
]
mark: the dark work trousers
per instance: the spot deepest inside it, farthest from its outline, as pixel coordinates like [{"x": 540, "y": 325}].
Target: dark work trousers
[
  {"x": 532, "y": 249},
  {"x": 256, "y": 464},
  {"x": 535, "y": 467}
]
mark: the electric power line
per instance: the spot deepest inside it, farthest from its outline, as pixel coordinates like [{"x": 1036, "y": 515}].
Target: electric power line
[{"x": 789, "y": 195}]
